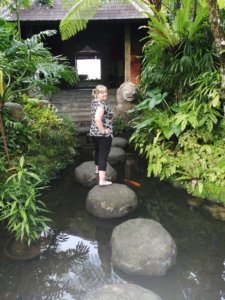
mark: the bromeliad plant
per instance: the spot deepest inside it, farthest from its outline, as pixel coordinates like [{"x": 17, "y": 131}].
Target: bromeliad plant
[{"x": 20, "y": 207}]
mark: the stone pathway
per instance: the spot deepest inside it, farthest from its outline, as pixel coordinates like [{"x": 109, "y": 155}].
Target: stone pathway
[{"x": 75, "y": 104}]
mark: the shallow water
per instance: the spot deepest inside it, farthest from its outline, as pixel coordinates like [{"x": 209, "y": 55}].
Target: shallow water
[{"x": 80, "y": 256}]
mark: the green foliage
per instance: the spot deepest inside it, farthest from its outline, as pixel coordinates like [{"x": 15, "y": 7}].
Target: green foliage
[
  {"x": 179, "y": 126},
  {"x": 177, "y": 50},
  {"x": 79, "y": 14},
  {"x": 53, "y": 145},
  {"x": 28, "y": 66},
  {"x": 182, "y": 142},
  {"x": 49, "y": 3},
  {"x": 7, "y": 33},
  {"x": 48, "y": 141},
  {"x": 121, "y": 123},
  {"x": 20, "y": 207}
]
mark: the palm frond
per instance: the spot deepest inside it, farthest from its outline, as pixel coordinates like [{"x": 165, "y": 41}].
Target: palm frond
[{"x": 78, "y": 17}]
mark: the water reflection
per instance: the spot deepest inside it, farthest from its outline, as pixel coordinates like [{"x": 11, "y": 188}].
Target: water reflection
[{"x": 70, "y": 268}]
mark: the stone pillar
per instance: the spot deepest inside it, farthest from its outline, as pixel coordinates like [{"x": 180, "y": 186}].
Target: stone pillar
[{"x": 127, "y": 56}]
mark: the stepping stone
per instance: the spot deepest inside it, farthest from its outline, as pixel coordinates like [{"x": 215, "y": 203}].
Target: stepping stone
[
  {"x": 85, "y": 173},
  {"x": 143, "y": 247},
  {"x": 116, "y": 155},
  {"x": 119, "y": 142},
  {"x": 121, "y": 292},
  {"x": 113, "y": 201}
]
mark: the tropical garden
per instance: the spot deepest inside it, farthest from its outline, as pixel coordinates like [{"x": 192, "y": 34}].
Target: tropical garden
[
  {"x": 35, "y": 143},
  {"x": 178, "y": 126},
  {"x": 179, "y": 122}
]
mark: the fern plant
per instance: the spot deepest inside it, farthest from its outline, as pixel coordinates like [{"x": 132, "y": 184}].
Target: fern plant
[{"x": 174, "y": 49}]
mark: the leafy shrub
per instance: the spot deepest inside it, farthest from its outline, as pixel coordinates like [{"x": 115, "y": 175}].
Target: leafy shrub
[
  {"x": 182, "y": 142},
  {"x": 121, "y": 123},
  {"x": 48, "y": 141},
  {"x": 20, "y": 207},
  {"x": 54, "y": 139}
]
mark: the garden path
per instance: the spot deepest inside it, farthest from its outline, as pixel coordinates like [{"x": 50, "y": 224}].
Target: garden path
[{"x": 75, "y": 104}]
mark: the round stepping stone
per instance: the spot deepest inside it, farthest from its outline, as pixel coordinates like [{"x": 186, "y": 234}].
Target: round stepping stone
[
  {"x": 142, "y": 247},
  {"x": 113, "y": 201},
  {"x": 121, "y": 292},
  {"x": 119, "y": 142},
  {"x": 85, "y": 173},
  {"x": 116, "y": 155}
]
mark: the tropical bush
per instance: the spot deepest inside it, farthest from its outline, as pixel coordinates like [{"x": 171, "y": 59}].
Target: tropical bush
[
  {"x": 20, "y": 208},
  {"x": 121, "y": 123},
  {"x": 179, "y": 125},
  {"x": 177, "y": 50},
  {"x": 183, "y": 143},
  {"x": 47, "y": 141},
  {"x": 29, "y": 67}
]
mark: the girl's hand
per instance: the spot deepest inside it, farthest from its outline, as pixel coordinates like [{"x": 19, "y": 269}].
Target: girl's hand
[{"x": 107, "y": 131}]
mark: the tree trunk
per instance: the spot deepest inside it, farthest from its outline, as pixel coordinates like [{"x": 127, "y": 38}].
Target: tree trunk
[
  {"x": 219, "y": 37},
  {"x": 3, "y": 133},
  {"x": 17, "y": 12}
]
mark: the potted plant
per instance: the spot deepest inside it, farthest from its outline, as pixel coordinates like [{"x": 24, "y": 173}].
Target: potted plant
[{"x": 24, "y": 213}]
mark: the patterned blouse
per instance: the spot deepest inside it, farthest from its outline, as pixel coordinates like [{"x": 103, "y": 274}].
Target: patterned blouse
[{"x": 106, "y": 119}]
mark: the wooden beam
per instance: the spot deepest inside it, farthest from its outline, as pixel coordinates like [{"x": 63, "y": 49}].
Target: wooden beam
[{"x": 127, "y": 55}]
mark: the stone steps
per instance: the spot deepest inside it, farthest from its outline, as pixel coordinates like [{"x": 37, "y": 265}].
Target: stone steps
[{"x": 76, "y": 105}]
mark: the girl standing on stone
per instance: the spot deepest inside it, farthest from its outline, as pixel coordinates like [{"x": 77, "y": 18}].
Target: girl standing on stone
[{"x": 101, "y": 131}]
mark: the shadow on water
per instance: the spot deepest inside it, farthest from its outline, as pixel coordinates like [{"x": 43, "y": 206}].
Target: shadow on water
[{"x": 80, "y": 256}]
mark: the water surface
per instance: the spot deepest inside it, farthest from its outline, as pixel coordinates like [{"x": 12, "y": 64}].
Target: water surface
[{"x": 80, "y": 256}]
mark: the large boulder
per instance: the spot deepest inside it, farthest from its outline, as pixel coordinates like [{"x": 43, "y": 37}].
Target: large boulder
[
  {"x": 15, "y": 110},
  {"x": 116, "y": 155},
  {"x": 119, "y": 142},
  {"x": 113, "y": 201},
  {"x": 85, "y": 173},
  {"x": 121, "y": 292},
  {"x": 142, "y": 247}
]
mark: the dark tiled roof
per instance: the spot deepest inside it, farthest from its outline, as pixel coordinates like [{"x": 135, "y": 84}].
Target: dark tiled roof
[{"x": 110, "y": 11}]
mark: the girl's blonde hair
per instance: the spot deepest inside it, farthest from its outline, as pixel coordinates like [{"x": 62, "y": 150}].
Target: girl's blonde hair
[{"x": 98, "y": 89}]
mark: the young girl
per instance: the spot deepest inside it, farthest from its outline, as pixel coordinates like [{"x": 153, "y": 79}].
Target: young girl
[{"x": 101, "y": 131}]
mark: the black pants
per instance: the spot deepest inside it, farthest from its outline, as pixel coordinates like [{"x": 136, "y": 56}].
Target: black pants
[{"x": 102, "y": 145}]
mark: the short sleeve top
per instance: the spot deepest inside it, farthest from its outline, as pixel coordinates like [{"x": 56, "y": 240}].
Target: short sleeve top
[{"x": 106, "y": 118}]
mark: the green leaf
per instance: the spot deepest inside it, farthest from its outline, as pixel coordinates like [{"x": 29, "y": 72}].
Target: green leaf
[
  {"x": 200, "y": 187},
  {"x": 78, "y": 16},
  {"x": 167, "y": 132},
  {"x": 155, "y": 101},
  {"x": 21, "y": 163},
  {"x": 221, "y": 4},
  {"x": 145, "y": 123},
  {"x": 176, "y": 129}
]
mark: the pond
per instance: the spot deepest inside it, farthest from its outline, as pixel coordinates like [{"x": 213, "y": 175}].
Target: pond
[{"x": 80, "y": 257}]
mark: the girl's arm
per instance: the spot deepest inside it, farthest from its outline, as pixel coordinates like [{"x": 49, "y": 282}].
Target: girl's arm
[{"x": 98, "y": 119}]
